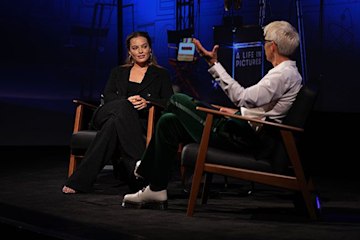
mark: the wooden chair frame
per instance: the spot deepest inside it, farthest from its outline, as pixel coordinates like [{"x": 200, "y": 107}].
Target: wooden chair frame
[
  {"x": 81, "y": 106},
  {"x": 298, "y": 182}
]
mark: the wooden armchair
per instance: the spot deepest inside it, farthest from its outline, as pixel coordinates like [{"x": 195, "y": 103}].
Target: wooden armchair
[
  {"x": 83, "y": 135},
  {"x": 282, "y": 169}
]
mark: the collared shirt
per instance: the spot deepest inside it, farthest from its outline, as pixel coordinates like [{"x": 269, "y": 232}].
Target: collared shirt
[{"x": 271, "y": 97}]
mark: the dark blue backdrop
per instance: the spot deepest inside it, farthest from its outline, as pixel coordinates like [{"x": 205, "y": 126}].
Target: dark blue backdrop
[{"x": 53, "y": 51}]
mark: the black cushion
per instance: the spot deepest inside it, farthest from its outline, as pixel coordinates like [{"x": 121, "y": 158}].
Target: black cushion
[
  {"x": 81, "y": 140},
  {"x": 214, "y": 155}
]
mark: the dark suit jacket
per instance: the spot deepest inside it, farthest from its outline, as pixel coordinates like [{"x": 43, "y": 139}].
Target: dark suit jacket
[{"x": 156, "y": 85}]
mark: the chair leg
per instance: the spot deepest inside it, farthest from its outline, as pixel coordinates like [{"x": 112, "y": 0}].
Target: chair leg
[
  {"x": 199, "y": 167},
  {"x": 72, "y": 164},
  {"x": 183, "y": 175},
  {"x": 310, "y": 204},
  {"x": 206, "y": 187},
  {"x": 196, "y": 181},
  {"x": 183, "y": 171}
]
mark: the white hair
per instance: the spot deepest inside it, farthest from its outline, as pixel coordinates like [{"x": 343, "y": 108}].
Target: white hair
[{"x": 284, "y": 35}]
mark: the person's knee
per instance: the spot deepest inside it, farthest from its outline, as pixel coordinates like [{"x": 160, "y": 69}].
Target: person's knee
[
  {"x": 169, "y": 130},
  {"x": 181, "y": 98},
  {"x": 122, "y": 108},
  {"x": 123, "y": 104},
  {"x": 166, "y": 120}
]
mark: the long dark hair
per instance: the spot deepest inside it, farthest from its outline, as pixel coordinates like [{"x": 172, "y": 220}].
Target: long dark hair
[{"x": 152, "y": 59}]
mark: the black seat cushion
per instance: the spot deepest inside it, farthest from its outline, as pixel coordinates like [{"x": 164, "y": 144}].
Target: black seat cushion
[
  {"x": 81, "y": 140},
  {"x": 232, "y": 159}
]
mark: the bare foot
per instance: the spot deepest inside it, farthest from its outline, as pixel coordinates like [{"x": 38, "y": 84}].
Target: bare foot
[{"x": 68, "y": 190}]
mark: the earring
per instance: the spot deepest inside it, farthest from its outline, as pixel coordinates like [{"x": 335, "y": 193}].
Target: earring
[
  {"x": 130, "y": 60},
  {"x": 150, "y": 59}
]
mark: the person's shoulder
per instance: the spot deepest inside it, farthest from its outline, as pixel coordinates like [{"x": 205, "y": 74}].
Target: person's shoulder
[
  {"x": 120, "y": 68},
  {"x": 159, "y": 69}
]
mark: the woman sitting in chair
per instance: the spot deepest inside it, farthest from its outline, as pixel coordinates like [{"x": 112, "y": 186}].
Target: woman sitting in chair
[
  {"x": 271, "y": 97},
  {"x": 119, "y": 120}
]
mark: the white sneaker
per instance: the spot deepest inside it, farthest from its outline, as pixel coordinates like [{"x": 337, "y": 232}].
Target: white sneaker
[
  {"x": 136, "y": 168},
  {"x": 146, "y": 198}
]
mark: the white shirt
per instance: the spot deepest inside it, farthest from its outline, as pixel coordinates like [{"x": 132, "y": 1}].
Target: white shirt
[{"x": 271, "y": 97}]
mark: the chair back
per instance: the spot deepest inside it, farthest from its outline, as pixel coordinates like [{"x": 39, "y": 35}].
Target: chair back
[
  {"x": 297, "y": 117},
  {"x": 301, "y": 107}
]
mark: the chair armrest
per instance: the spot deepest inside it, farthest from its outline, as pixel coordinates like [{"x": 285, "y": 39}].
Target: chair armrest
[
  {"x": 219, "y": 106},
  {"x": 156, "y": 104},
  {"x": 79, "y": 113},
  {"x": 278, "y": 125},
  {"x": 153, "y": 107},
  {"x": 84, "y": 103},
  {"x": 81, "y": 105}
]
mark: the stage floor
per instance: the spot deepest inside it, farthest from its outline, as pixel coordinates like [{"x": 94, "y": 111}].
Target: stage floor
[{"x": 32, "y": 206}]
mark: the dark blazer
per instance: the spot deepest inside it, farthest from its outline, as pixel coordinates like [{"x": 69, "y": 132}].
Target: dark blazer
[{"x": 156, "y": 85}]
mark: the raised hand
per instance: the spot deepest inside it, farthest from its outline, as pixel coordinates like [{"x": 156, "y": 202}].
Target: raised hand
[{"x": 209, "y": 56}]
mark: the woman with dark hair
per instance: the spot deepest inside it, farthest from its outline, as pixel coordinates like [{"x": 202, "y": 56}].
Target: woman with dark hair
[{"x": 120, "y": 121}]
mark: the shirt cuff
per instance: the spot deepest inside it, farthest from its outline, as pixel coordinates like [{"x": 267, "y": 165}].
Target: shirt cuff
[{"x": 216, "y": 69}]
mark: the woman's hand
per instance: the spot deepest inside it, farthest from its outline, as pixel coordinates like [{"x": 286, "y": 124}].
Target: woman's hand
[{"x": 138, "y": 102}]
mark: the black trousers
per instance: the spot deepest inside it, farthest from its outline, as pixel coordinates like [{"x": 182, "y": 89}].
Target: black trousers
[{"x": 120, "y": 133}]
